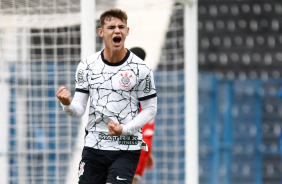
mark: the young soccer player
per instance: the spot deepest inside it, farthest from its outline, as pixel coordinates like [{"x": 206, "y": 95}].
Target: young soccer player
[
  {"x": 117, "y": 82},
  {"x": 146, "y": 159}
]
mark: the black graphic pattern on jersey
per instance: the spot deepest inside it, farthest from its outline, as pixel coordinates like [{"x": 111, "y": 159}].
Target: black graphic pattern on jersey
[{"x": 114, "y": 96}]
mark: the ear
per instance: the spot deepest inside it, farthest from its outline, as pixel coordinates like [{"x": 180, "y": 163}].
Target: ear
[
  {"x": 127, "y": 31},
  {"x": 100, "y": 32}
]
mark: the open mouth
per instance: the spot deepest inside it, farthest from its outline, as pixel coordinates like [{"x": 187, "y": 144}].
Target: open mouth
[{"x": 117, "y": 40}]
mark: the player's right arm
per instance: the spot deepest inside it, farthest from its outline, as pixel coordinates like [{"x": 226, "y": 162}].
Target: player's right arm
[{"x": 75, "y": 108}]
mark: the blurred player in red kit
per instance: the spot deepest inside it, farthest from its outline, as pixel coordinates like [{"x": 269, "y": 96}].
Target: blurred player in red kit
[{"x": 146, "y": 160}]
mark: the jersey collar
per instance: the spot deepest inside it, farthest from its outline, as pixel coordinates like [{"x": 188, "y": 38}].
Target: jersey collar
[{"x": 118, "y": 63}]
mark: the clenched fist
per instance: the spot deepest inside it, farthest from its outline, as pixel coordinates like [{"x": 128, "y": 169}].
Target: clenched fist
[
  {"x": 64, "y": 96},
  {"x": 114, "y": 128}
]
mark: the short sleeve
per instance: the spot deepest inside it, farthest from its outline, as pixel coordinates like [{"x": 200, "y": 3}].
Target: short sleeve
[
  {"x": 81, "y": 81},
  {"x": 146, "y": 88}
]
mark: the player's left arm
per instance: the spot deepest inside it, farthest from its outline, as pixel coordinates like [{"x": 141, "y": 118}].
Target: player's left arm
[{"x": 149, "y": 111}]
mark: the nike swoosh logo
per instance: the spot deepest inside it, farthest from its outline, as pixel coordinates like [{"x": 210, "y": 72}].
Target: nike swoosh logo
[
  {"x": 92, "y": 78},
  {"x": 122, "y": 179}
]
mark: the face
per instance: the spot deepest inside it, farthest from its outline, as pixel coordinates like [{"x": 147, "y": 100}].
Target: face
[{"x": 114, "y": 33}]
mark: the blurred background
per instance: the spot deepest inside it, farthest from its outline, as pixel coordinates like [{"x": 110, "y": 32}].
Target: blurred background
[{"x": 239, "y": 79}]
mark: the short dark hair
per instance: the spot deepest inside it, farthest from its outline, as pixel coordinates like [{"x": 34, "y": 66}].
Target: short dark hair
[
  {"x": 138, "y": 51},
  {"x": 113, "y": 12}
]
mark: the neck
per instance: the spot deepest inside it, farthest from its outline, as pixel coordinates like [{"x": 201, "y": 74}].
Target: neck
[{"x": 114, "y": 57}]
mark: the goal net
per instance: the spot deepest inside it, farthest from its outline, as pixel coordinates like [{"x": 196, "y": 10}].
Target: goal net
[{"x": 40, "y": 46}]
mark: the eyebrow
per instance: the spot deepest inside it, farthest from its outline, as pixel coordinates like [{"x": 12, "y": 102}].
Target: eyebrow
[{"x": 121, "y": 25}]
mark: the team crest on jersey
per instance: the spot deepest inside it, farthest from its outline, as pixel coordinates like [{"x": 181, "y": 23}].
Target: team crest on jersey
[
  {"x": 80, "y": 77},
  {"x": 81, "y": 169},
  {"x": 125, "y": 80},
  {"x": 148, "y": 85}
]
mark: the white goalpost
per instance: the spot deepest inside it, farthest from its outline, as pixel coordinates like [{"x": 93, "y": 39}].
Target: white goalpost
[
  {"x": 191, "y": 91},
  {"x": 4, "y": 127},
  {"x": 88, "y": 45}
]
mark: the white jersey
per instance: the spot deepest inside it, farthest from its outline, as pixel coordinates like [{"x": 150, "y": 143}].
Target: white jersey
[{"x": 115, "y": 90}]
